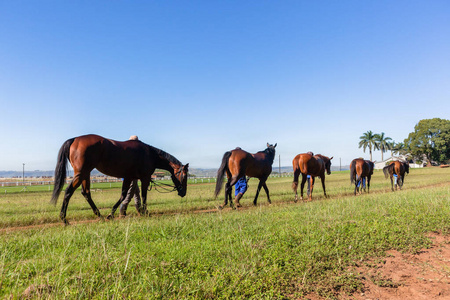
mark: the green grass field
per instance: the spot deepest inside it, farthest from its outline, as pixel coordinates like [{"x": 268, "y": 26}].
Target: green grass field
[{"x": 187, "y": 249}]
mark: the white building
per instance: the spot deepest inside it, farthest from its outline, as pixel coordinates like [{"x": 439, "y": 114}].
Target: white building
[{"x": 381, "y": 164}]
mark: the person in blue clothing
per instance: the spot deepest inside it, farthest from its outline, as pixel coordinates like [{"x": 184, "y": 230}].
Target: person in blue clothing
[
  {"x": 308, "y": 177},
  {"x": 240, "y": 189},
  {"x": 363, "y": 183},
  {"x": 363, "y": 180}
]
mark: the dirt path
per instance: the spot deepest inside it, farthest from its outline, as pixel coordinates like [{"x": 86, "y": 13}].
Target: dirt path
[
  {"x": 200, "y": 211},
  {"x": 425, "y": 275}
]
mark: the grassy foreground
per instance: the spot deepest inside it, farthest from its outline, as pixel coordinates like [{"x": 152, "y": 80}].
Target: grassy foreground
[{"x": 285, "y": 250}]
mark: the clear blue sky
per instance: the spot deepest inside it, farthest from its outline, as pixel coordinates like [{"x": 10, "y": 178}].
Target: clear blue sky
[{"x": 198, "y": 78}]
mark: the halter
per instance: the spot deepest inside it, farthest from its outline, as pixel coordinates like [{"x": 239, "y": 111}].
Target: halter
[{"x": 164, "y": 186}]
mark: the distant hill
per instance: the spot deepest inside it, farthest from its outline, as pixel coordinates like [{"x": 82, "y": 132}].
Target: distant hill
[{"x": 198, "y": 172}]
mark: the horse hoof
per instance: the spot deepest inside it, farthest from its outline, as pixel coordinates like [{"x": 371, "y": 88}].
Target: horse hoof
[
  {"x": 110, "y": 217},
  {"x": 220, "y": 207}
]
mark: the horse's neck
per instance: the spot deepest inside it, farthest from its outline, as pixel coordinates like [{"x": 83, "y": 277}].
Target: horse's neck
[
  {"x": 321, "y": 162},
  {"x": 165, "y": 164}
]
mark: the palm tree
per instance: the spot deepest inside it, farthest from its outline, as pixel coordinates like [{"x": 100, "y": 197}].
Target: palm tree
[
  {"x": 400, "y": 148},
  {"x": 367, "y": 140},
  {"x": 383, "y": 143},
  {"x": 393, "y": 147}
]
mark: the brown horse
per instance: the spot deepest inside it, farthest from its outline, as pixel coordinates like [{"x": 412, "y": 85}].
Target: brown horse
[
  {"x": 314, "y": 165},
  {"x": 360, "y": 169},
  {"x": 130, "y": 160},
  {"x": 239, "y": 163},
  {"x": 398, "y": 168}
]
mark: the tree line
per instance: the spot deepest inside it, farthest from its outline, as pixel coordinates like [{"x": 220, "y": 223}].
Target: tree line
[{"x": 429, "y": 142}]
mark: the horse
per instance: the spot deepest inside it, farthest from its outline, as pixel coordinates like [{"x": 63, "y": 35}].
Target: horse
[
  {"x": 360, "y": 169},
  {"x": 399, "y": 168},
  {"x": 308, "y": 164},
  {"x": 238, "y": 163},
  {"x": 129, "y": 160}
]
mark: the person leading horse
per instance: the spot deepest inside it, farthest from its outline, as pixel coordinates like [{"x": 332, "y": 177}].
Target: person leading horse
[
  {"x": 239, "y": 163},
  {"x": 308, "y": 164}
]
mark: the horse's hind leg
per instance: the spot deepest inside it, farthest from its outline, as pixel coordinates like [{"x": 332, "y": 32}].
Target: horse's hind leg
[
  {"x": 228, "y": 190},
  {"x": 74, "y": 184},
  {"x": 358, "y": 183},
  {"x": 368, "y": 184},
  {"x": 86, "y": 192},
  {"x": 295, "y": 184}
]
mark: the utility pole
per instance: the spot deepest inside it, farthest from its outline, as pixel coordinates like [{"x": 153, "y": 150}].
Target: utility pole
[
  {"x": 23, "y": 177},
  {"x": 279, "y": 164}
]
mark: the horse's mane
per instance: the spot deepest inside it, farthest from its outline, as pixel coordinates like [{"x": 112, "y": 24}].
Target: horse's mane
[
  {"x": 322, "y": 156},
  {"x": 166, "y": 156},
  {"x": 270, "y": 152}
]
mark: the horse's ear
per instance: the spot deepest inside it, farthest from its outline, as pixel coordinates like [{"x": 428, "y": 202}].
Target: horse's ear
[
  {"x": 268, "y": 145},
  {"x": 275, "y": 145},
  {"x": 331, "y": 158},
  {"x": 186, "y": 167}
]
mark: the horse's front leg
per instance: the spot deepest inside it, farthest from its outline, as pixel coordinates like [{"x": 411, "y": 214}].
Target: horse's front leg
[
  {"x": 302, "y": 185},
  {"x": 312, "y": 179},
  {"x": 144, "y": 191},
  {"x": 267, "y": 192},
  {"x": 260, "y": 184},
  {"x": 125, "y": 186},
  {"x": 322, "y": 178}
]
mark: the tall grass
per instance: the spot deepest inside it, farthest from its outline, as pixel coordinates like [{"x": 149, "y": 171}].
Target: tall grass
[{"x": 285, "y": 250}]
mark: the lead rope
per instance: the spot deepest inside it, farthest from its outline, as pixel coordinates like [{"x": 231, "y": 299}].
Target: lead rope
[{"x": 164, "y": 186}]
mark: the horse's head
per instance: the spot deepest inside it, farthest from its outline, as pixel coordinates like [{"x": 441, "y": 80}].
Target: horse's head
[
  {"x": 406, "y": 164},
  {"x": 179, "y": 178},
  {"x": 328, "y": 164},
  {"x": 271, "y": 149}
]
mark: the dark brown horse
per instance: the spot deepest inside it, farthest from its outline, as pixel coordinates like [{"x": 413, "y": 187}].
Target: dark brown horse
[
  {"x": 398, "y": 168},
  {"x": 360, "y": 169},
  {"x": 314, "y": 165},
  {"x": 239, "y": 163},
  {"x": 129, "y": 160}
]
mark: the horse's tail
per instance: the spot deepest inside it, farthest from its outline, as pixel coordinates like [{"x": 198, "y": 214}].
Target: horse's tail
[
  {"x": 221, "y": 172},
  {"x": 352, "y": 171},
  {"x": 61, "y": 169},
  {"x": 388, "y": 169}
]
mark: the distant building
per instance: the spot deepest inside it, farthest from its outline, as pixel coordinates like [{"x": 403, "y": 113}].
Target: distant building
[{"x": 381, "y": 164}]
